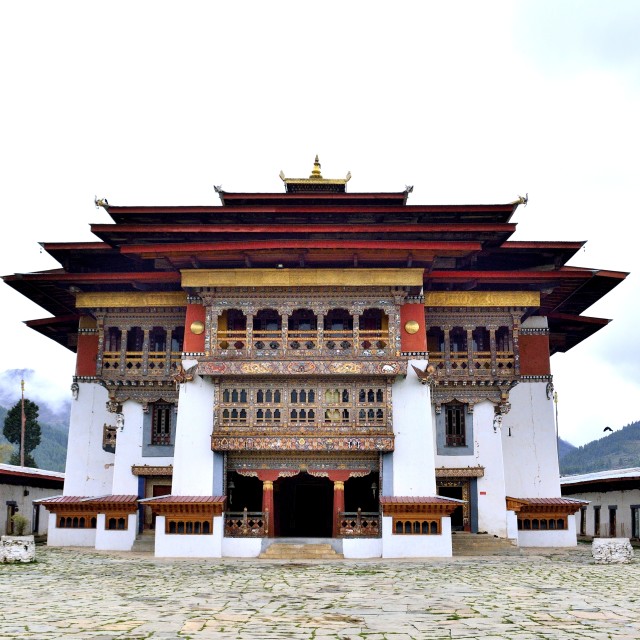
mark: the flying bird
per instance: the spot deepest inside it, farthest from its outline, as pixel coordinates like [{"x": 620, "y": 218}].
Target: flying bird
[{"x": 607, "y": 429}]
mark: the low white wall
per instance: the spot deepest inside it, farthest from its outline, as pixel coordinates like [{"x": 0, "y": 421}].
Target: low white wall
[
  {"x": 413, "y": 456},
  {"x": 118, "y": 540},
  {"x": 25, "y": 504},
  {"x": 69, "y": 537},
  {"x": 418, "y": 546},
  {"x": 621, "y": 499},
  {"x": 241, "y": 547},
  {"x": 555, "y": 538},
  {"x": 512, "y": 526},
  {"x": 188, "y": 546},
  {"x": 362, "y": 547}
]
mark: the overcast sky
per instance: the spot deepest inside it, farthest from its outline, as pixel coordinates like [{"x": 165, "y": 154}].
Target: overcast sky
[{"x": 154, "y": 103}]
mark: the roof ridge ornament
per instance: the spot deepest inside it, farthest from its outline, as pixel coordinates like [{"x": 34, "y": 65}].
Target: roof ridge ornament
[
  {"x": 315, "y": 172},
  {"x": 315, "y": 182}
]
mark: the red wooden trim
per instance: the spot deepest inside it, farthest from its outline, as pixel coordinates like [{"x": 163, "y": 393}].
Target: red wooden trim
[
  {"x": 283, "y": 207},
  {"x": 194, "y": 342},
  {"x": 508, "y": 275},
  {"x": 298, "y": 228},
  {"x": 300, "y": 244},
  {"x": 416, "y": 341},
  {"x": 87, "y": 354},
  {"x": 149, "y": 276},
  {"x": 57, "y": 246},
  {"x": 542, "y": 244}
]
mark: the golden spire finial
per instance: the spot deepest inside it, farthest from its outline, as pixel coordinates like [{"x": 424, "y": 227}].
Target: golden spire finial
[{"x": 315, "y": 174}]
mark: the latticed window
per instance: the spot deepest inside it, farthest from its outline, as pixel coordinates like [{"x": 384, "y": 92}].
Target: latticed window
[
  {"x": 302, "y": 401},
  {"x": 304, "y": 404},
  {"x": 455, "y": 427},
  {"x": 161, "y": 423}
]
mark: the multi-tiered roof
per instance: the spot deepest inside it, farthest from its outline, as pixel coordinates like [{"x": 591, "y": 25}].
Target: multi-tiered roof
[{"x": 317, "y": 224}]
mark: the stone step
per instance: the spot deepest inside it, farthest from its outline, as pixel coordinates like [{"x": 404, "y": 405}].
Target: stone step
[
  {"x": 145, "y": 542},
  {"x": 301, "y": 551},
  {"x": 470, "y": 544}
]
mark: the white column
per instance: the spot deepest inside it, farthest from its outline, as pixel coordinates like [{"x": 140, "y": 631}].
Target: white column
[
  {"x": 413, "y": 466},
  {"x": 193, "y": 462},
  {"x": 128, "y": 449},
  {"x": 89, "y": 469}
]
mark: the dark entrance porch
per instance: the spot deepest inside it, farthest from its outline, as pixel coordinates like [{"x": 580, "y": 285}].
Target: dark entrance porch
[{"x": 303, "y": 507}]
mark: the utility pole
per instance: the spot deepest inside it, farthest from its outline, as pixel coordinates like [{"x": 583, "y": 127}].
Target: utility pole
[{"x": 22, "y": 428}]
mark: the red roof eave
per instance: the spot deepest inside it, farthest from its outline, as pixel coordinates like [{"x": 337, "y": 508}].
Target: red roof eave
[
  {"x": 298, "y": 228},
  {"x": 299, "y": 244},
  {"x": 59, "y": 276}
]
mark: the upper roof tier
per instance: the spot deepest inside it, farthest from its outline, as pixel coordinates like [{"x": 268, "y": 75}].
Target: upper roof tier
[{"x": 316, "y": 224}]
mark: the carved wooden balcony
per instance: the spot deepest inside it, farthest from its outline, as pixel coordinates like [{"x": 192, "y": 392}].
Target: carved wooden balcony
[
  {"x": 278, "y": 344},
  {"x": 139, "y": 364},
  {"x": 481, "y": 365},
  {"x": 359, "y": 524}
]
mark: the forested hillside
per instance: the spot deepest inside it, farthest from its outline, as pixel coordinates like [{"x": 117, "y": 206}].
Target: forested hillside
[
  {"x": 564, "y": 448},
  {"x": 51, "y": 453},
  {"x": 616, "y": 450}
]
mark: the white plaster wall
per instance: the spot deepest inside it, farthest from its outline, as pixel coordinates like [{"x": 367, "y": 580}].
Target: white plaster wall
[
  {"x": 69, "y": 537},
  {"x": 241, "y": 547},
  {"x": 512, "y": 526},
  {"x": 487, "y": 452},
  {"x": 413, "y": 457},
  {"x": 25, "y": 504},
  {"x": 188, "y": 546},
  {"x": 193, "y": 462},
  {"x": 530, "y": 452},
  {"x": 362, "y": 547},
  {"x": 116, "y": 540},
  {"x": 129, "y": 451},
  {"x": 419, "y": 546},
  {"x": 563, "y": 538},
  {"x": 89, "y": 469},
  {"x": 621, "y": 499}
]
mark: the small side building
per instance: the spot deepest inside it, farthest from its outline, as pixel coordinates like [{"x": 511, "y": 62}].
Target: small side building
[
  {"x": 21, "y": 488},
  {"x": 614, "y": 502}
]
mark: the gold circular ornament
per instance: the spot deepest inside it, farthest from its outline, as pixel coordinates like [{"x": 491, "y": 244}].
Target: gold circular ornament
[
  {"x": 411, "y": 327},
  {"x": 197, "y": 327}
]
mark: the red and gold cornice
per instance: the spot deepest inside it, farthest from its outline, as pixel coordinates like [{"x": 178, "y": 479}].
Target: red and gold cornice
[
  {"x": 188, "y": 506},
  {"x": 407, "y": 506},
  {"x": 150, "y": 471},
  {"x": 382, "y": 443},
  {"x": 544, "y": 506}
]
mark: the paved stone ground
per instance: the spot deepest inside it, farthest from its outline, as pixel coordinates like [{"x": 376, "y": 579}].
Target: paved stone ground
[{"x": 548, "y": 594}]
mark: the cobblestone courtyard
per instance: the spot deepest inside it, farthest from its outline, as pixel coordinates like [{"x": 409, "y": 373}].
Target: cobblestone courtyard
[{"x": 73, "y": 593}]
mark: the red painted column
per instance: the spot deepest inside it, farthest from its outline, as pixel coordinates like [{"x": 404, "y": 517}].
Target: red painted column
[
  {"x": 338, "y": 504},
  {"x": 267, "y": 505}
]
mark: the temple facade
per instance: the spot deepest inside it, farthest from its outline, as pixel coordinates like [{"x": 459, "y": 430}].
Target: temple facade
[{"x": 313, "y": 364}]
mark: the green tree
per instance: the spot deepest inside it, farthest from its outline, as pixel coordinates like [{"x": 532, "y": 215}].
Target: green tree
[{"x": 13, "y": 428}]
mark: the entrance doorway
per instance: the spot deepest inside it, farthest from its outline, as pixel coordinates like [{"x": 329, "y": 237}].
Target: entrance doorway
[
  {"x": 303, "y": 507},
  {"x": 460, "y": 490},
  {"x": 154, "y": 488},
  {"x": 457, "y": 522}
]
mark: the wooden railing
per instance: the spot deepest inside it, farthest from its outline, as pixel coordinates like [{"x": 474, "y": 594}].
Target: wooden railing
[
  {"x": 328, "y": 342},
  {"x": 474, "y": 364},
  {"x": 246, "y": 524},
  {"x": 153, "y": 363},
  {"x": 359, "y": 524}
]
